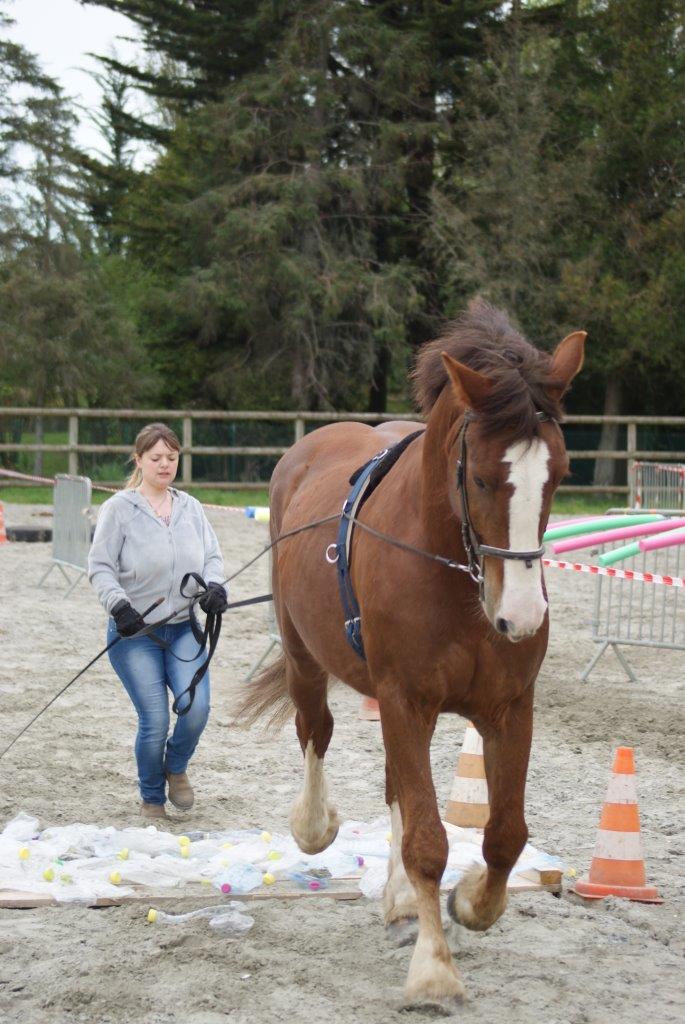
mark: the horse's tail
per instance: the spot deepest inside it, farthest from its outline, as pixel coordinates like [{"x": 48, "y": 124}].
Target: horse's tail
[{"x": 267, "y": 693}]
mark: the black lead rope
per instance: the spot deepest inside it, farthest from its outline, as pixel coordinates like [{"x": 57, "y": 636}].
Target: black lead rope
[
  {"x": 210, "y": 635},
  {"x": 149, "y": 629}
]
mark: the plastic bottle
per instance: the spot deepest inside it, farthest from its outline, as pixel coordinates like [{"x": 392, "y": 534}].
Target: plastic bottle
[
  {"x": 226, "y": 917},
  {"x": 238, "y": 878},
  {"x": 307, "y": 881}
]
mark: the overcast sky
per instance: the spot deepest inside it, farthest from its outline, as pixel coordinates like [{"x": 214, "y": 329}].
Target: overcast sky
[{"x": 61, "y": 33}]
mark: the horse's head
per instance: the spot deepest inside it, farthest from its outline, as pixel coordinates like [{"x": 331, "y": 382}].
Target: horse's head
[{"x": 504, "y": 470}]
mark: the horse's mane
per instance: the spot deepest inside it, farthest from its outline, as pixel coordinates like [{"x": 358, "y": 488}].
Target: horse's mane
[{"x": 484, "y": 339}]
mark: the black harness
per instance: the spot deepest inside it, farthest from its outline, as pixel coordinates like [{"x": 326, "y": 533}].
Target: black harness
[{"x": 364, "y": 481}]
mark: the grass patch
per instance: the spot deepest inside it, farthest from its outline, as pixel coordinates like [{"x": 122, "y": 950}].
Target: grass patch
[
  {"x": 587, "y": 504},
  {"x": 43, "y": 496},
  {"x": 564, "y": 504}
]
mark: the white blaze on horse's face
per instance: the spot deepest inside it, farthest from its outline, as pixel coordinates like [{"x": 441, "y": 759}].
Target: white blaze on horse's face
[{"x": 522, "y": 604}]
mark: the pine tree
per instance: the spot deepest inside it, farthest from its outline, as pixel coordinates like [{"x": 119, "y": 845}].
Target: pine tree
[
  {"x": 625, "y": 282},
  {"x": 288, "y": 218}
]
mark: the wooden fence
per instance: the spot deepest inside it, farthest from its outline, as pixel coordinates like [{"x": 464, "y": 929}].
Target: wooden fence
[{"x": 299, "y": 420}]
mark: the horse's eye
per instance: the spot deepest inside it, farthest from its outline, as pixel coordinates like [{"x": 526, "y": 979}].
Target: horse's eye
[{"x": 479, "y": 483}]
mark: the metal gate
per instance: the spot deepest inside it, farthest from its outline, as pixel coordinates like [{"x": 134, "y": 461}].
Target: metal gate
[
  {"x": 655, "y": 485},
  {"x": 639, "y": 603},
  {"x": 71, "y": 528}
]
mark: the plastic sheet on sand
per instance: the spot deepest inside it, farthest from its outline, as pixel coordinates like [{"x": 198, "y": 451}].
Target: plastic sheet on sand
[{"x": 77, "y": 863}]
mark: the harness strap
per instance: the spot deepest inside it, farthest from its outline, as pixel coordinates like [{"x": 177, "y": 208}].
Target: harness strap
[{"x": 364, "y": 481}]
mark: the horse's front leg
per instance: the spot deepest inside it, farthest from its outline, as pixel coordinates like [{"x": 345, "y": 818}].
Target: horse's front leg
[
  {"x": 480, "y": 898},
  {"x": 407, "y": 730}
]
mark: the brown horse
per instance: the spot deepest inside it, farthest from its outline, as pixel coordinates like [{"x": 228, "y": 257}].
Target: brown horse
[{"x": 435, "y": 640}]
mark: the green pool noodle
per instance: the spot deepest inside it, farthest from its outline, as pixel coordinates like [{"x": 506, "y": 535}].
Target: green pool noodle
[
  {"x": 602, "y": 523},
  {"x": 618, "y": 554}
]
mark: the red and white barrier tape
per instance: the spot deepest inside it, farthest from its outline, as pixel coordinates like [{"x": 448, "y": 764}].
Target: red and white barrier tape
[
  {"x": 619, "y": 574},
  {"x": 100, "y": 487},
  {"x": 551, "y": 563}
]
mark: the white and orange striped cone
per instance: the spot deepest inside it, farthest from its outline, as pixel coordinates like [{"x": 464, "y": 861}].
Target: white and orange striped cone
[
  {"x": 468, "y": 804},
  {"x": 618, "y": 867},
  {"x": 3, "y": 531},
  {"x": 370, "y": 711}
]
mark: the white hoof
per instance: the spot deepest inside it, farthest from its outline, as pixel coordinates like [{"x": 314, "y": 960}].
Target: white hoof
[
  {"x": 465, "y": 904},
  {"x": 310, "y": 836},
  {"x": 433, "y": 980}
]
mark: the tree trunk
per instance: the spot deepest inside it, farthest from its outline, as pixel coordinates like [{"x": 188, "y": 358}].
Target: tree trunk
[
  {"x": 378, "y": 392},
  {"x": 298, "y": 381},
  {"x": 605, "y": 469}
]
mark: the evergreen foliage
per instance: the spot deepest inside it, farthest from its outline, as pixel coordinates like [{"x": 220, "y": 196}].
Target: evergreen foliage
[{"x": 330, "y": 180}]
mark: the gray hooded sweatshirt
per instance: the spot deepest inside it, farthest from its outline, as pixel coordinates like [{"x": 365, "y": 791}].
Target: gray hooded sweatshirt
[{"x": 136, "y": 557}]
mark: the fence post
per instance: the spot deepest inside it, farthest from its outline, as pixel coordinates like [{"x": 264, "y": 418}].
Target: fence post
[
  {"x": 631, "y": 448},
  {"x": 187, "y": 458},
  {"x": 299, "y": 428},
  {"x": 73, "y": 442}
]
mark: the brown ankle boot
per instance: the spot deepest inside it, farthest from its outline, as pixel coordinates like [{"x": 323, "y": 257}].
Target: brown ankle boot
[
  {"x": 153, "y": 812},
  {"x": 180, "y": 791}
]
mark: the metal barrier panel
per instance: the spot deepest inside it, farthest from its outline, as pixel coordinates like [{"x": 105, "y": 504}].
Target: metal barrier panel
[
  {"x": 657, "y": 485},
  {"x": 71, "y": 527},
  {"x": 71, "y": 521},
  {"x": 636, "y": 614}
]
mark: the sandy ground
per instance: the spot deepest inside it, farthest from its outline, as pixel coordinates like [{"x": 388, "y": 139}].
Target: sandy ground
[{"x": 548, "y": 960}]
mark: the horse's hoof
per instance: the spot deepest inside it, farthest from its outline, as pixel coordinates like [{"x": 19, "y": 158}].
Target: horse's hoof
[
  {"x": 466, "y": 906},
  {"x": 447, "y": 1007},
  {"x": 312, "y": 846},
  {"x": 402, "y": 932},
  {"x": 433, "y": 984}
]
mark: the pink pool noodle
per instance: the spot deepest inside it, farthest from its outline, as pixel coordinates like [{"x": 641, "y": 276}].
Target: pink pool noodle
[
  {"x": 666, "y": 540},
  {"x": 621, "y": 533}
]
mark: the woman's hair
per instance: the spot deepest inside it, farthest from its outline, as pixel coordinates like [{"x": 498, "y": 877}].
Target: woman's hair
[{"x": 146, "y": 439}]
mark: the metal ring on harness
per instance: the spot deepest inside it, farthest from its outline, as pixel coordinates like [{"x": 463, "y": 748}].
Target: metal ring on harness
[{"x": 332, "y": 561}]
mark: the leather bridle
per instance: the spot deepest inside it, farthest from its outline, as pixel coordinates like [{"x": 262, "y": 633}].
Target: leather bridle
[{"x": 474, "y": 549}]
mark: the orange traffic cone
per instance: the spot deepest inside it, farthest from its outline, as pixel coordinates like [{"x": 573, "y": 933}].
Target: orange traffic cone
[
  {"x": 370, "y": 711},
  {"x": 468, "y": 804},
  {"x": 618, "y": 867},
  {"x": 3, "y": 531}
]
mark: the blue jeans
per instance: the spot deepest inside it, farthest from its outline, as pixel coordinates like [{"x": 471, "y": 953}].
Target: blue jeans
[{"x": 147, "y": 672}]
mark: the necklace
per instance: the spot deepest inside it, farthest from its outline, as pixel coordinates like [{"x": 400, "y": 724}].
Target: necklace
[{"x": 157, "y": 509}]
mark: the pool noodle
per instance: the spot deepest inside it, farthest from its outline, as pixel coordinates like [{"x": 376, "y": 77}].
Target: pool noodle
[
  {"x": 622, "y": 533},
  {"x": 664, "y": 540},
  {"x": 601, "y": 523},
  {"x": 570, "y": 522}
]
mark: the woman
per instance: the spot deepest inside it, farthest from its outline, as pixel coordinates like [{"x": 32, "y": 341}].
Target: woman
[{"x": 147, "y": 538}]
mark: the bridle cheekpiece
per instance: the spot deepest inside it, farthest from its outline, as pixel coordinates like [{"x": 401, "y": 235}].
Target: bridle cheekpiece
[{"x": 474, "y": 549}]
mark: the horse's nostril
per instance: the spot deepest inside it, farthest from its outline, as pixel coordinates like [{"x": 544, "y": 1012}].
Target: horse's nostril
[{"x": 502, "y": 625}]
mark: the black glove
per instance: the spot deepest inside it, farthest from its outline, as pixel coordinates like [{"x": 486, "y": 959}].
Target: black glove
[
  {"x": 127, "y": 619},
  {"x": 214, "y": 599}
]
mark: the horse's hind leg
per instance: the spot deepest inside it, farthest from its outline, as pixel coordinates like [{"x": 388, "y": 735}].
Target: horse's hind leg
[
  {"x": 481, "y": 896},
  {"x": 433, "y": 979},
  {"x": 313, "y": 821},
  {"x": 399, "y": 897}
]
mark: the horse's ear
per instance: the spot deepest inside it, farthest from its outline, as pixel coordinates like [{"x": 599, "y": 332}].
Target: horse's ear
[
  {"x": 566, "y": 363},
  {"x": 471, "y": 388}
]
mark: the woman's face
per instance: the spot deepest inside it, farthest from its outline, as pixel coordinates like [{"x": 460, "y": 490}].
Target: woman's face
[{"x": 158, "y": 464}]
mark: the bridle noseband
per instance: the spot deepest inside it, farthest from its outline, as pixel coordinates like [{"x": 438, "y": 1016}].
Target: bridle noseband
[{"x": 473, "y": 548}]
